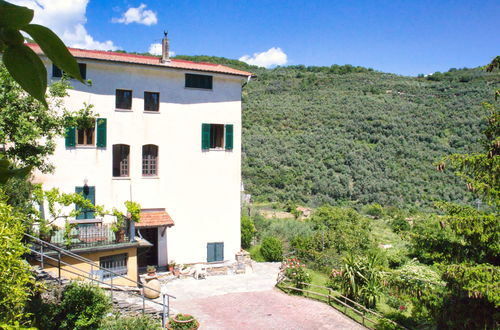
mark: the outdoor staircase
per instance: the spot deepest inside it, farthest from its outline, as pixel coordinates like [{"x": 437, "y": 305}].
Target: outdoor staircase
[{"x": 126, "y": 300}]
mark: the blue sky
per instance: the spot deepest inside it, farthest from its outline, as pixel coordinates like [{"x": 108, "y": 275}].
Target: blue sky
[{"x": 403, "y": 37}]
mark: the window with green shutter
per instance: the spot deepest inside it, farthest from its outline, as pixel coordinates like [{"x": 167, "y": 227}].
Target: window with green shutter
[
  {"x": 70, "y": 137},
  {"x": 88, "y": 136},
  {"x": 216, "y": 136},
  {"x": 215, "y": 252},
  {"x": 89, "y": 194},
  {"x": 101, "y": 132}
]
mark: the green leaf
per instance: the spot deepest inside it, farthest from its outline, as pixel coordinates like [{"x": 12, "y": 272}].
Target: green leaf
[
  {"x": 14, "y": 16},
  {"x": 6, "y": 172},
  {"x": 55, "y": 49},
  {"x": 27, "y": 70}
]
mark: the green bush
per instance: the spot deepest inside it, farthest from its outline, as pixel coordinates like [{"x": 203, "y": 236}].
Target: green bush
[
  {"x": 83, "y": 306},
  {"x": 16, "y": 279},
  {"x": 375, "y": 210},
  {"x": 247, "y": 231},
  {"x": 119, "y": 322},
  {"x": 255, "y": 254},
  {"x": 272, "y": 249}
]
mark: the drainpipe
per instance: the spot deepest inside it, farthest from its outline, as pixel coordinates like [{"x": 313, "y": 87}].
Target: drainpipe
[
  {"x": 132, "y": 231},
  {"x": 246, "y": 82}
]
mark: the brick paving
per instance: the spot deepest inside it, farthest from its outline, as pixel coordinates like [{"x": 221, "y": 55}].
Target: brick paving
[
  {"x": 250, "y": 301},
  {"x": 270, "y": 309}
]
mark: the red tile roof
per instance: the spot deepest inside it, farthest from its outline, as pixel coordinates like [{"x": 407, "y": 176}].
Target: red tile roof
[
  {"x": 154, "y": 218},
  {"x": 148, "y": 60}
]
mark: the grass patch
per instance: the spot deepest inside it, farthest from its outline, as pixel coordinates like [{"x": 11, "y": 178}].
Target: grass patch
[{"x": 255, "y": 253}]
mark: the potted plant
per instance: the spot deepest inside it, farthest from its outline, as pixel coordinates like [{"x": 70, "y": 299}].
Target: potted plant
[
  {"x": 151, "y": 270},
  {"x": 118, "y": 226},
  {"x": 133, "y": 214},
  {"x": 171, "y": 266},
  {"x": 46, "y": 230},
  {"x": 183, "y": 321}
]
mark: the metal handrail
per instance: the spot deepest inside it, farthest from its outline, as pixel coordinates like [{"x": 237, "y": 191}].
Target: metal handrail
[
  {"x": 88, "y": 261},
  {"x": 83, "y": 273}
]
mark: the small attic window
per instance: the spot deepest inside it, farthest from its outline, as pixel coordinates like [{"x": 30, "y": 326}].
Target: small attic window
[
  {"x": 58, "y": 73},
  {"x": 198, "y": 81}
]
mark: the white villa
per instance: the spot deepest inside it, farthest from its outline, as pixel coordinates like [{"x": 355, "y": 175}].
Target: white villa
[{"x": 168, "y": 136}]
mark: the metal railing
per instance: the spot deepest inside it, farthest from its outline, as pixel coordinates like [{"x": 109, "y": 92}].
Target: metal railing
[
  {"x": 51, "y": 255},
  {"x": 88, "y": 235},
  {"x": 336, "y": 298}
]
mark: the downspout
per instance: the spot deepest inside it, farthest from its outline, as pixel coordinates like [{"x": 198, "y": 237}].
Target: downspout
[{"x": 246, "y": 82}]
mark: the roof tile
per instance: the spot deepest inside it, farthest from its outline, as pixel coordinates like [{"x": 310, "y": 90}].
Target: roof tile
[{"x": 148, "y": 60}]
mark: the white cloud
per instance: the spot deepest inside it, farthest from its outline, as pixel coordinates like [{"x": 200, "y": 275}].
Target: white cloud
[
  {"x": 273, "y": 56},
  {"x": 137, "y": 15},
  {"x": 67, "y": 19},
  {"x": 155, "y": 49}
]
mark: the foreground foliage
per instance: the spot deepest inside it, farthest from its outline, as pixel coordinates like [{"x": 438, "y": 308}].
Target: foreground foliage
[{"x": 17, "y": 282}]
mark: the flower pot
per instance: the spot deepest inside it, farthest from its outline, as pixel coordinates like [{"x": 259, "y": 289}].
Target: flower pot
[
  {"x": 120, "y": 236},
  {"x": 46, "y": 237},
  {"x": 175, "y": 323}
]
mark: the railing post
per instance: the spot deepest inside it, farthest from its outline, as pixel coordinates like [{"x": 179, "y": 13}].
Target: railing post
[
  {"x": 92, "y": 274},
  {"x": 41, "y": 255},
  {"x": 143, "y": 302},
  {"x": 168, "y": 307},
  {"x": 345, "y": 306},
  {"x": 112, "y": 288},
  {"x": 59, "y": 265},
  {"x": 329, "y": 294},
  {"x": 163, "y": 321}
]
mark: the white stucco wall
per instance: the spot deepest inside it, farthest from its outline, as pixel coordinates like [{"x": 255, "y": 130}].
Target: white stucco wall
[{"x": 199, "y": 189}]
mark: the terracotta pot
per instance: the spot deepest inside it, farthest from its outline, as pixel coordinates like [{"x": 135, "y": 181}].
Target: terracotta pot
[
  {"x": 151, "y": 287},
  {"x": 46, "y": 237},
  {"x": 174, "y": 320},
  {"x": 120, "y": 236}
]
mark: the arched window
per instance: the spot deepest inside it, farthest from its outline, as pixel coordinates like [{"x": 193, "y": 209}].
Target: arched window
[
  {"x": 149, "y": 160},
  {"x": 121, "y": 162}
]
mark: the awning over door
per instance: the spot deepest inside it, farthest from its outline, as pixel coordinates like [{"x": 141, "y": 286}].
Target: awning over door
[{"x": 154, "y": 218}]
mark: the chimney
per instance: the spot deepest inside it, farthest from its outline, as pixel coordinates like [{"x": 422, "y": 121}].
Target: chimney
[{"x": 165, "y": 49}]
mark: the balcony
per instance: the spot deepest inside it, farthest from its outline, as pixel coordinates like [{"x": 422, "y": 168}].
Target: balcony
[{"x": 88, "y": 234}]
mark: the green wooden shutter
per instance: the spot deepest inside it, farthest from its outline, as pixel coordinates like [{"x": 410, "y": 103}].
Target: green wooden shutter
[
  {"x": 70, "y": 137},
  {"x": 79, "y": 190},
  {"x": 86, "y": 214},
  {"x": 89, "y": 214},
  {"x": 219, "y": 251},
  {"x": 205, "y": 136},
  {"x": 229, "y": 137},
  {"x": 101, "y": 132},
  {"x": 210, "y": 252}
]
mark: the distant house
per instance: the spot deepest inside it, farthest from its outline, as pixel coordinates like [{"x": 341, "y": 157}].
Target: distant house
[{"x": 168, "y": 136}]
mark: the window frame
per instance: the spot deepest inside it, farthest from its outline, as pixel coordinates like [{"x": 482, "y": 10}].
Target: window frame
[
  {"x": 85, "y": 132},
  {"x": 190, "y": 81},
  {"x": 129, "y": 103},
  {"x": 225, "y": 142},
  {"x": 118, "y": 264},
  {"x": 148, "y": 167},
  {"x": 215, "y": 245},
  {"x": 81, "y": 66},
  {"x": 120, "y": 161},
  {"x": 157, "y": 104}
]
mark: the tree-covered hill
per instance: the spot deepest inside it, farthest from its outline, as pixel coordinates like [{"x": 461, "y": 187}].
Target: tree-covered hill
[{"x": 332, "y": 134}]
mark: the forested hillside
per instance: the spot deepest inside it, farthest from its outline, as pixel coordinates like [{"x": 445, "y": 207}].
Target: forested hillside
[{"x": 319, "y": 135}]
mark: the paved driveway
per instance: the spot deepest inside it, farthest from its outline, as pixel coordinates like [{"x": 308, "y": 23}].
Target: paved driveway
[{"x": 250, "y": 301}]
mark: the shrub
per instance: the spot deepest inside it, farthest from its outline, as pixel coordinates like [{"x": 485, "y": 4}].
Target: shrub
[
  {"x": 247, "y": 231},
  {"x": 83, "y": 306},
  {"x": 119, "y": 322},
  {"x": 16, "y": 279},
  {"x": 375, "y": 210},
  {"x": 255, "y": 254},
  {"x": 296, "y": 272},
  {"x": 272, "y": 249}
]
